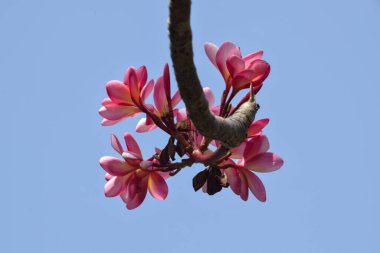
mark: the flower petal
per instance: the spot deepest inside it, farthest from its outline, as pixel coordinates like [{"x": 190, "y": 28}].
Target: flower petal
[
  {"x": 237, "y": 153},
  {"x": 226, "y": 50},
  {"x": 115, "y": 112},
  {"x": 115, "y": 143},
  {"x": 107, "y": 122},
  {"x": 256, "y": 127},
  {"x": 181, "y": 115},
  {"x": 264, "y": 162},
  {"x": 235, "y": 65},
  {"x": 211, "y": 51},
  {"x": 209, "y": 96},
  {"x": 176, "y": 98},
  {"x": 145, "y": 92},
  {"x": 255, "y": 185},
  {"x": 142, "y": 76},
  {"x": 115, "y": 166},
  {"x": 119, "y": 92},
  {"x": 113, "y": 187},
  {"x": 142, "y": 126},
  {"x": 256, "y": 145},
  {"x": 142, "y": 189},
  {"x": 248, "y": 59},
  {"x": 261, "y": 69},
  {"x": 234, "y": 180},
  {"x": 243, "y": 187},
  {"x": 157, "y": 186},
  {"x": 132, "y": 144},
  {"x": 159, "y": 96}
]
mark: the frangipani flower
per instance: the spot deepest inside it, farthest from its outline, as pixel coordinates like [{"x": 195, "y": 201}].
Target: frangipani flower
[
  {"x": 237, "y": 71},
  {"x": 255, "y": 158},
  {"x": 162, "y": 100},
  {"x": 127, "y": 98},
  {"x": 132, "y": 177}
]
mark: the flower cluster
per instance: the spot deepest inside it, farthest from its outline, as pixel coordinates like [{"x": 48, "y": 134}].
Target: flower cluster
[{"x": 132, "y": 177}]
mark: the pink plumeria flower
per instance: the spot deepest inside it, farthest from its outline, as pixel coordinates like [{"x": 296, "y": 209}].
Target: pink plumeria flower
[
  {"x": 132, "y": 177},
  {"x": 126, "y": 99},
  {"x": 162, "y": 100},
  {"x": 255, "y": 158},
  {"x": 237, "y": 71}
]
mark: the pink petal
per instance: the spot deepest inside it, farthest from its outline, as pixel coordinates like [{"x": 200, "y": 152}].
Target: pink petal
[
  {"x": 252, "y": 57},
  {"x": 209, "y": 96},
  {"x": 256, "y": 127},
  {"x": 261, "y": 69},
  {"x": 157, "y": 186},
  {"x": 238, "y": 152},
  {"x": 114, "y": 186},
  {"x": 119, "y": 92},
  {"x": 243, "y": 79},
  {"x": 256, "y": 145},
  {"x": 142, "y": 127},
  {"x": 235, "y": 65},
  {"x": 164, "y": 175},
  {"x": 142, "y": 76},
  {"x": 107, "y": 122},
  {"x": 181, "y": 115},
  {"x": 140, "y": 195},
  {"x": 116, "y": 144},
  {"x": 226, "y": 50},
  {"x": 176, "y": 98},
  {"x": 115, "y": 112},
  {"x": 211, "y": 51},
  {"x": 132, "y": 144},
  {"x": 255, "y": 185},
  {"x": 145, "y": 92},
  {"x": 115, "y": 166},
  {"x": 129, "y": 155},
  {"x": 243, "y": 187},
  {"x": 146, "y": 164},
  {"x": 108, "y": 176},
  {"x": 234, "y": 180},
  {"x": 265, "y": 162},
  {"x": 134, "y": 87},
  {"x": 107, "y": 101},
  {"x": 159, "y": 96}
]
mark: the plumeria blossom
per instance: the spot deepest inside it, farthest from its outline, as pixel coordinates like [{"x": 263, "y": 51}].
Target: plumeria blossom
[
  {"x": 132, "y": 177},
  {"x": 127, "y": 98},
  {"x": 164, "y": 104},
  {"x": 255, "y": 158},
  {"x": 237, "y": 71}
]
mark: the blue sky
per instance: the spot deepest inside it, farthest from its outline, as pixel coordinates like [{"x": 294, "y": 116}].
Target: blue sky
[{"x": 321, "y": 96}]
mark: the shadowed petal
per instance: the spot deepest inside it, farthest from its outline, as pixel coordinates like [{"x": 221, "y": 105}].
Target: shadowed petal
[
  {"x": 265, "y": 162},
  {"x": 262, "y": 69},
  {"x": 115, "y": 166},
  {"x": 255, "y": 185},
  {"x": 142, "y": 76},
  {"x": 243, "y": 187},
  {"x": 157, "y": 186},
  {"x": 237, "y": 153},
  {"x": 181, "y": 115},
  {"x": 140, "y": 194},
  {"x": 234, "y": 180}
]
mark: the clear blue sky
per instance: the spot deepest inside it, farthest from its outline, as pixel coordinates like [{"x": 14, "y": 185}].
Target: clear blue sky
[{"x": 322, "y": 97}]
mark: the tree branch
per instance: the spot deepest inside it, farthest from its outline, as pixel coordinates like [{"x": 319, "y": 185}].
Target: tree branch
[{"x": 230, "y": 131}]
